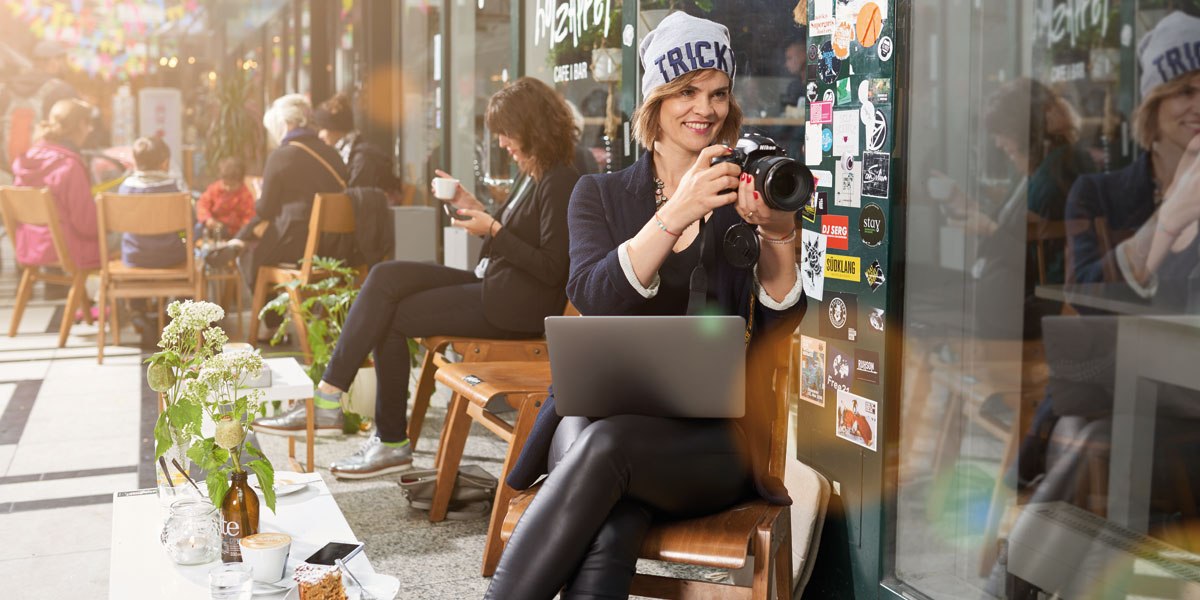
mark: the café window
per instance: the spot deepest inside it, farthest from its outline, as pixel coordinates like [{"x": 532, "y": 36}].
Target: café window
[
  {"x": 582, "y": 57},
  {"x": 421, "y": 139},
  {"x": 1048, "y": 421}
]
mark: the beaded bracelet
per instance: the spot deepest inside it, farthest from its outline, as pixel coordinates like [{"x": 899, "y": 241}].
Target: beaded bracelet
[
  {"x": 663, "y": 226},
  {"x": 787, "y": 239}
]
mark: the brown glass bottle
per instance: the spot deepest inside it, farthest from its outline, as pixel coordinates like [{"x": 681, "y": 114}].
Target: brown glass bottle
[{"x": 239, "y": 517}]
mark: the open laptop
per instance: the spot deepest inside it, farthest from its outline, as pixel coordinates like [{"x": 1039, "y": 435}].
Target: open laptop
[{"x": 685, "y": 367}]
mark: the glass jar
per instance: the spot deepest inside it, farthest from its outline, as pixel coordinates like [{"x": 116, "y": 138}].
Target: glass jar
[{"x": 192, "y": 533}]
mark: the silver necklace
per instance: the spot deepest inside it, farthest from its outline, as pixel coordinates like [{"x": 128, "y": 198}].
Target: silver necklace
[{"x": 660, "y": 197}]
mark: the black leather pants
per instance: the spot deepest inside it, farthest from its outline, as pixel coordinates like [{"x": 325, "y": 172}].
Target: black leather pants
[{"x": 585, "y": 527}]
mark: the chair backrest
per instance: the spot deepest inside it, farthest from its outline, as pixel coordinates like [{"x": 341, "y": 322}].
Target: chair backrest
[
  {"x": 146, "y": 214},
  {"x": 777, "y": 459},
  {"x": 570, "y": 310},
  {"x": 34, "y": 206},
  {"x": 767, "y": 373},
  {"x": 1039, "y": 232},
  {"x": 331, "y": 213}
]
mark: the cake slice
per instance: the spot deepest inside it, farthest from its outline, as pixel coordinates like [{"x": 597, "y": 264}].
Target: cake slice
[{"x": 319, "y": 582}]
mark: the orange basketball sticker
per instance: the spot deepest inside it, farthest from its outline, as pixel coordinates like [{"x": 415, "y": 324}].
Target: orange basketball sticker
[
  {"x": 870, "y": 24},
  {"x": 843, "y": 34}
]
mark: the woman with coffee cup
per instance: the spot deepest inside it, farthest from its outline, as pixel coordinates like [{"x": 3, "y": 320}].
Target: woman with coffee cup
[
  {"x": 635, "y": 240},
  {"x": 519, "y": 281}
]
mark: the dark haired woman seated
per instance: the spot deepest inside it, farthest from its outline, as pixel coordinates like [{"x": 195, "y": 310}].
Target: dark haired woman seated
[{"x": 519, "y": 281}]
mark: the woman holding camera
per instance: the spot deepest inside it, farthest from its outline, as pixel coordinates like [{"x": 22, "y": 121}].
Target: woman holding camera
[
  {"x": 519, "y": 282},
  {"x": 634, "y": 242}
]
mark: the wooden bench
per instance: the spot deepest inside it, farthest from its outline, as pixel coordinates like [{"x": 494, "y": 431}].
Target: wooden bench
[
  {"x": 472, "y": 350},
  {"x": 524, "y": 386}
]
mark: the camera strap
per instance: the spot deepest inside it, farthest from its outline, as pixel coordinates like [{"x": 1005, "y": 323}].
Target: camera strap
[{"x": 698, "y": 282}]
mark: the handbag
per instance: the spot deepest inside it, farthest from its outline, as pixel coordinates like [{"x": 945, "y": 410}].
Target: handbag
[{"x": 473, "y": 491}]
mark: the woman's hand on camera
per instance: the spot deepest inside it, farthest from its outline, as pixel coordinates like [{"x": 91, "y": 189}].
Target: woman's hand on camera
[
  {"x": 462, "y": 198},
  {"x": 754, "y": 210},
  {"x": 480, "y": 223},
  {"x": 702, "y": 188}
]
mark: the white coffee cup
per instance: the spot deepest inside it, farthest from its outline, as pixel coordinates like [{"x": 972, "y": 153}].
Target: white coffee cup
[
  {"x": 444, "y": 188},
  {"x": 266, "y": 554},
  {"x": 940, "y": 188}
]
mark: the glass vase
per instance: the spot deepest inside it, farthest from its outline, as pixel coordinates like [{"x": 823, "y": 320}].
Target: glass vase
[
  {"x": 192, "y": 532},
  {"x": 172, "y": 485}
]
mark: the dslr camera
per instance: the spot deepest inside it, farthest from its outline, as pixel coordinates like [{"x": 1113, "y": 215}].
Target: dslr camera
[{"x": 783, "y": 183}]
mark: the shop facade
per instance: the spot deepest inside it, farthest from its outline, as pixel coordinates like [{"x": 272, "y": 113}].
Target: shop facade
[{"x": 940, "y": 260}]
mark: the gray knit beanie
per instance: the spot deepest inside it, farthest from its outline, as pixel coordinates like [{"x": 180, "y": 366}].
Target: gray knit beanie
[
  {"x": 683, "y": 43},
  {"x": 1169, "y": 50}
]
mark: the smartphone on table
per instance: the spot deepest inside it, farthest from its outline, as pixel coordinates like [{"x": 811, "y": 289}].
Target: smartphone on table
[{"x": 332, "y": 551}]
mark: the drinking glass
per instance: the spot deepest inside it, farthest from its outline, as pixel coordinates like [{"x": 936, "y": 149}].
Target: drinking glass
[{"x": 230, "y": 581}]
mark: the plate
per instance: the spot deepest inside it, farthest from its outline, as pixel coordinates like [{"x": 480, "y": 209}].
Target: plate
[
  {"x": 382, "y": 587},
  {"x": 286, "y": 482}
]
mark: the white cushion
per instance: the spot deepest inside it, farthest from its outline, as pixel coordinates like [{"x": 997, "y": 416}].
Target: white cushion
[{"x": 810, "y": 497}]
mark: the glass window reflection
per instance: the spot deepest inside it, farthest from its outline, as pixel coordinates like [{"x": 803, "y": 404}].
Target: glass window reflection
[{"x": 1049, "y": 418}]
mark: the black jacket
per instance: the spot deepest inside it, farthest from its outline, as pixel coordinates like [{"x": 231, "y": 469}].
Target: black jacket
[
  {"x": 526, "y": 276},
  {"x": 291, "y": 178},
  {"x": 370, "y": 166}
]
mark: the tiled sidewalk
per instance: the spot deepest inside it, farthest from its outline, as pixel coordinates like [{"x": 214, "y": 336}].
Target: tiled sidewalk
[{"x": 73, "y": 432}]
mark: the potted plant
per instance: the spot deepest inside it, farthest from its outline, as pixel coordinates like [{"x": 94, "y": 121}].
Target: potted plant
[
  {"x": 324, "y": 305},
  {"x": 235, "y": 127},
  {"x": 196, "y": 380}
]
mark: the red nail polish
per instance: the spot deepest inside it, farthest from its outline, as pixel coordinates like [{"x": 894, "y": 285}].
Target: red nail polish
[{"x": 756, "y": 195}]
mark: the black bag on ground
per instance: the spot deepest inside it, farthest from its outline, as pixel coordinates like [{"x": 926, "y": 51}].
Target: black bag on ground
[{"x": 473, "y": 491}]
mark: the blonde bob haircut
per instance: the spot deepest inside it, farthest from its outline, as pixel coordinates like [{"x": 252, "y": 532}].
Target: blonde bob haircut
[
  {"x": 647, "y": 126},
  {"x": 1145, "y": 118}
]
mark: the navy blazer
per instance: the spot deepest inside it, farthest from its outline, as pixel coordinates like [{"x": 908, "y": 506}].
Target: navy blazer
[
  {"x": 605, "y": 211},
  {"x": 1125, "y": 199}
]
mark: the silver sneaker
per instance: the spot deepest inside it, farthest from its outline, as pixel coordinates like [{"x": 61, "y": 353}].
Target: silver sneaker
[
  {"x": 373, "y": 459},
  {"x": 295, "y": 422}
]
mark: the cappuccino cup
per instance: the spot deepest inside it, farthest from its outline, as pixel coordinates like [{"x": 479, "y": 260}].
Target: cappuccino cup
[
  {"x": 266, "y": 554},
  {"x": 444, "y": 188}
]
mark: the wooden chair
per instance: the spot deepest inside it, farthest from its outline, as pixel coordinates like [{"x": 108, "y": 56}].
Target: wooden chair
[
  {"x": 331, "y": 213},
  {"x": 31, "y": 206},
  {"x": 143, "y": 214},
  {"x": 723, "y": 540},
  {"x": 228, "y": 282},
  {"x": 524, "y": 387},
  {"x": 472, "y": 350},
  {"x": 1040, "y": 233}
]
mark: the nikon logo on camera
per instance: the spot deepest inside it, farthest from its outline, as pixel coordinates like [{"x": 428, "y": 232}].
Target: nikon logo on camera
[{"x": 846, "y": 268}]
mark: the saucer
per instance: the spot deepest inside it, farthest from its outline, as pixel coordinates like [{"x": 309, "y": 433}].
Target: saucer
[
  {"x": 286, "y": 482},
  {"x": 271, "y": 589},
  {"x": 382, "y": 587}
]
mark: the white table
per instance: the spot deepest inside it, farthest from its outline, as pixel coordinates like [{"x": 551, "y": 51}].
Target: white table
[
  {"x": 1156, "y": 344},
  {"x": 140, "y": 568},
  {"x": 1150, "y": 351},
  {"x": 289, "y": 381}
]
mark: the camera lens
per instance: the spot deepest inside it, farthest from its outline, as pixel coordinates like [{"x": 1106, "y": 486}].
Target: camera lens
[{"x": 786, "y": 184}]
